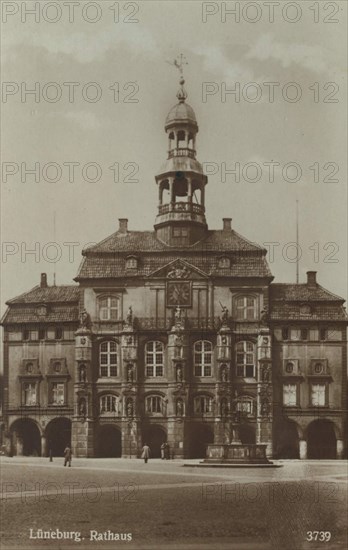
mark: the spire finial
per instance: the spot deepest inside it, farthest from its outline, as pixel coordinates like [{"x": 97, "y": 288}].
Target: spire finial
[{"x": 179, "y": 63}]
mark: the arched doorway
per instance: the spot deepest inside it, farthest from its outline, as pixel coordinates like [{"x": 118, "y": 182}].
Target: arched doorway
[
  {"x": 26, "y": 438},
  {"x": 109, "y": 441},
  {"x": 58, "y": 435},
  {"x": 288, "y": 441},
  {"x": 201, "y": 436},
  {"x": 247, "y": 433},
  {"x": 321, "y": 439},
  {"x": 154, "y": 436}
]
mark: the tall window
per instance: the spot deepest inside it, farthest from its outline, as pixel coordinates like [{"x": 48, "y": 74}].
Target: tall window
[
  {"x": 108, "y": 359},
  {"x": 245, "y": 359},
  {"x": 246, "y": 308},
  {"x": 109, "y": 308},
  {"x": 318, "y": 395},
  {"x": 154, "y": 404},
  {"x": 154, "y": 359},
  {"x": 58, "y": 393},
  {"x": 29, "y": 393},
  {"x": 203, "y": 355},
  {"x": 290, "y": 395},
  {"x": 203, "y": 404},
  {"x": 108, "y": 404}
]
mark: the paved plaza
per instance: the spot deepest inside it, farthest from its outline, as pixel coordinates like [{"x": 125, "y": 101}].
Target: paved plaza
[{"x": 163, "y": 504}]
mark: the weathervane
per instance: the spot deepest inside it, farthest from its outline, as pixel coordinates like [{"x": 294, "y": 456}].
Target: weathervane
[{"x": 179, "y": 63}]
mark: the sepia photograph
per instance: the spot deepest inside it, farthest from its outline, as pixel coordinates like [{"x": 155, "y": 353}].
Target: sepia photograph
[{"x": 173, "y": 355}]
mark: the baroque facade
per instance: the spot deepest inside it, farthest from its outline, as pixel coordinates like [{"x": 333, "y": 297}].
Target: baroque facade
[{"x": 177, "y": 334}]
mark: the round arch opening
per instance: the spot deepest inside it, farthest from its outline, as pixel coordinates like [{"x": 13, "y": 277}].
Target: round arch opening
[
  {"x": 109, "y": 441},
  {"x": 154, "y": 436},
  {"x": 288, "y": 441},
  {"x": 321, "y": 440},
  {"x": 201, "y": 436},
  {"x": 58, "y": 436},
  {"x": 26, "y": 438}
]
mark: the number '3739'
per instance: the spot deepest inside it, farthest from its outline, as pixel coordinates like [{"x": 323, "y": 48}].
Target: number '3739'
[{"x": 322, "y": 536}]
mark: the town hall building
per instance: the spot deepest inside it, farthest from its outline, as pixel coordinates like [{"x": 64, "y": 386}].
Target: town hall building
[{"x": 177, "y": 334}]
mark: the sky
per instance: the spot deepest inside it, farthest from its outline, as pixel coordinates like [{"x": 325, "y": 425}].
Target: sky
[{"x": 103, "y": 91}]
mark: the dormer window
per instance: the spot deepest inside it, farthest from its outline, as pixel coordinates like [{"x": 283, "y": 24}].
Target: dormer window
[
  {"x": 245, "y": 308},
  {"x": 131, "y": 262},
  {"x": 305, "y": 309},
  {"x": 224, "y": 262}
]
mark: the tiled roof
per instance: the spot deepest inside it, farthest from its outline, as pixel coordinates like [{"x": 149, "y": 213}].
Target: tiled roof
[
  {"x": 115, "y": 266},
  {"x": 146, "y": 241},
  {"x": 108, "y": 258},
  {"x": 38, "y": 294},
  {"x": 17, "y": 314},
  {"x": 288, "y": 312},
  {"x": 302, "y": 293}
]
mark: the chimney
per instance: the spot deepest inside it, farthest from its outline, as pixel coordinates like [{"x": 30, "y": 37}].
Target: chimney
[
  {"x": 227, "y": 224},
  {"x": 43, "y": 281},
  {"x": 311, "y": 278},
  {"x": 123, "y": 225}
]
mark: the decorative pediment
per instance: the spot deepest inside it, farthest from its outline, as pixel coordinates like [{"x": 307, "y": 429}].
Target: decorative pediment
[
  {"x": 58, "y": 367},
  {"x": 30, "y": 367},
  {"x": 178, "y": 270}
]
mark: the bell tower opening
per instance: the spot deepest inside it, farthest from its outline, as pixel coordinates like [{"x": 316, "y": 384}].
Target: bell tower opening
[{"x": 181, "y": 181}]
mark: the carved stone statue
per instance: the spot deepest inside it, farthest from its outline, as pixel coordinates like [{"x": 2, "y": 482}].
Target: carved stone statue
[
  {"x": 178, "y": 314},
  {"x": 82, "y": 406},
  {"x": 223, "y": 407},
  {"x": 223, "y": 374},
  {"x": 266, "y": 373},
  {"x": 129, "y": 317},
  {"x": 264, "y": 316},
  {"x": 179, "y": 407},
  {"x": 82, "y": 373},
  {"x": 130, "y": 408},
  {"x": 85, "y": 319},
  {"x": 178, "y": 272},
  {"x": 130, "y": 373},
  {"x": 179, "y": 374},
  {"x": 265, "y": 408},
  {"x": 224, "y": 315}
]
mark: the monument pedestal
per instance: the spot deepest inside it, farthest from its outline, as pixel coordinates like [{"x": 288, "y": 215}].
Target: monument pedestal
[{"x": 236, "y": 453}]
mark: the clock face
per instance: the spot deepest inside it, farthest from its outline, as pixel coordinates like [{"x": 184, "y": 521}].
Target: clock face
[{"x": 179, "y": 293}]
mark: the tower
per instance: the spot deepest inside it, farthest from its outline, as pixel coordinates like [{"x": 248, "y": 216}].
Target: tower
[{"x": 181, "y": 182}]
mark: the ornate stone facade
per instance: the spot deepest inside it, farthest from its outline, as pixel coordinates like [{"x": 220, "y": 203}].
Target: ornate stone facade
[{"x": 176, "y": 334}]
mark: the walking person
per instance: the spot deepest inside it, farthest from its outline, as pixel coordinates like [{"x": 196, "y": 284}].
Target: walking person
[
  {"x": 145, "y": 453},
  {"x": 67, "y": 456}
]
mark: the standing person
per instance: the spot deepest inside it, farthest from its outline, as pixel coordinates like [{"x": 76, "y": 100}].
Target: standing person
[
  {"x": 146, "y": 453},
  {"x": 163, "y": 450},
  {"x": 67, "y": 456}
]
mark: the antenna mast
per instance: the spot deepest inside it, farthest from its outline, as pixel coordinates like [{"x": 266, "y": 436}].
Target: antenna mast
[
  {"x": 54, "y": 240},
  {"x": 297, "y": 246}
]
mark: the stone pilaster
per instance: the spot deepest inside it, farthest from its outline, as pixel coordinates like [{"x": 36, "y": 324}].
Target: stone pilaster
[
  {"x": 264, "y": 391},
  {"x": 83, "y": 424}
]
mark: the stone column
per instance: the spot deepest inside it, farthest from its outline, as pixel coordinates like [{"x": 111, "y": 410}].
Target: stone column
[
  {"x": 43, "y": 446},
  {"x": 303, "y": 449},
  {"x": 339, "y": 448}
]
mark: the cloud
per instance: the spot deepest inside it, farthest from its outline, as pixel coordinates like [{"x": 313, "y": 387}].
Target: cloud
[
  {"x": 84, "y": 46},
  {"x": 312, "y": 57}
]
